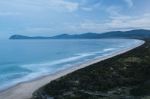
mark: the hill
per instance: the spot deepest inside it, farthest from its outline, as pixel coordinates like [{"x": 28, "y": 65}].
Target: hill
[{"x": 136, "y": 34}]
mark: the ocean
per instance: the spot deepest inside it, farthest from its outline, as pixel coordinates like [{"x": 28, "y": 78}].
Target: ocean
[{"x": 25, "y": 60}]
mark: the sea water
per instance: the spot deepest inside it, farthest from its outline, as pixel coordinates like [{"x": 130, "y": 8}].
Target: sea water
[{"x": 24, "y": 60}]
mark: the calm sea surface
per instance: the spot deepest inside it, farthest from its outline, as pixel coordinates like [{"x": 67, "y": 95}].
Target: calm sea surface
[{"x": 23, "y": 60}]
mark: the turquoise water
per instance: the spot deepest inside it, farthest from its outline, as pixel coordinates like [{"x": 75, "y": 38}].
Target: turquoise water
[{"x": 23, "y": 60}]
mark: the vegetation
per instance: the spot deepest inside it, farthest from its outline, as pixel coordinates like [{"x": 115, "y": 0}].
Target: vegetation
[{"x": 126, "y": 76}]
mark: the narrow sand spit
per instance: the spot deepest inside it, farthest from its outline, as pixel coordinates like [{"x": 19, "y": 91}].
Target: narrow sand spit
[{"x": 24, "y": 90}]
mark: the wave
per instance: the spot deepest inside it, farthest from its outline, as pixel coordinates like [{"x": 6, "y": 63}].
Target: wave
[
  {"x": 53, "y": 63},
  {"x": 109, "y": 49},
  {"x": 45, "y": 68}
]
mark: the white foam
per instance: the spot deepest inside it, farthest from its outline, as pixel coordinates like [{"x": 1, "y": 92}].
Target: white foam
[
  {"x": 98, "y": 52},
  {"x": 41, "y": 69},
  {"x": 108, "y": 49},
  {"x": 39, "y": 66}
]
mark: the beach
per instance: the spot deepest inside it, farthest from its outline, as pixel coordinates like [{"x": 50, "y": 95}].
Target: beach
[{"x": 24, "y": 90}]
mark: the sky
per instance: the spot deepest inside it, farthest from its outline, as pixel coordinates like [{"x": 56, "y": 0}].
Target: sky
[{"x": 53, "y": 17}]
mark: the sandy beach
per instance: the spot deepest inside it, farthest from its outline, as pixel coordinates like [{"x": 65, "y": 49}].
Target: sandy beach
[{"x": 24, "y": 90}]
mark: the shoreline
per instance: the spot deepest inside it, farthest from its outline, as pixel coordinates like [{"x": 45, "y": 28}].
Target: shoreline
[{"x": 24, "y": 90}]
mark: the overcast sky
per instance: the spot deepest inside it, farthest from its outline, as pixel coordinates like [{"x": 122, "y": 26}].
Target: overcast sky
[{"x": 51, "y": 17}]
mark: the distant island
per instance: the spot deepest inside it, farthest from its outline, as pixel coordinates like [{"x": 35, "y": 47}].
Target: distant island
[{"x": 136, "y": 34}]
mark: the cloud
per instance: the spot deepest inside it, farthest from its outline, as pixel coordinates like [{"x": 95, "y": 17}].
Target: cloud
[
  {"x": 115, "y": 23},
  {"x": 87, "y": 8},
  {"x": 114, "y": 10},
  {"x": 9, "y": 13},
  {"x": 40, "y": 4},
  {"x": 38, "y": 30},
  {"x": 129, "y": 2},
  {"x": 70, "y": 6},
  {"x": 90, "y": 7},
  {"x": 130, "y": 21}
]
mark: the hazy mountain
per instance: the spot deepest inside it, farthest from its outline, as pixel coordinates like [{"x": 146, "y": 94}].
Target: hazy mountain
[
  {"x": 138, "y": 34},
  {"x": 27, "y": 37}
]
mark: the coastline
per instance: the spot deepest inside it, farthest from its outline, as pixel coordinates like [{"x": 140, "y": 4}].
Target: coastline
[{"x": 24, "y": 90}]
